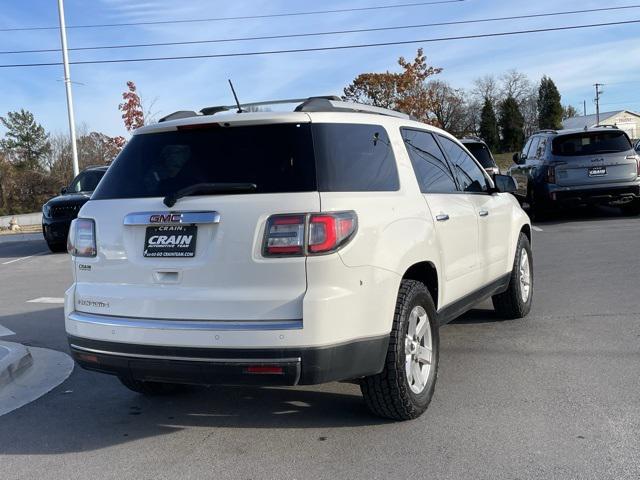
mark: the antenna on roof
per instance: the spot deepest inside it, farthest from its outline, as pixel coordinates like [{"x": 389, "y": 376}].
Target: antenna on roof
[{"x": 233, "y": 90}]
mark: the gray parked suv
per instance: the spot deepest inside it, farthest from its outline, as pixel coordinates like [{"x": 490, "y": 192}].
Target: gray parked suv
[{"x": 578, "y": 167}]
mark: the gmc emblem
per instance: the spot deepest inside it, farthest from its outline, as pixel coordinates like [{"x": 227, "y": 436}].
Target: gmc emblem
[{"x": 165, "y": 218}]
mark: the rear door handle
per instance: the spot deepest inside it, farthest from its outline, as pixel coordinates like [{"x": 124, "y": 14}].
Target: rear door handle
[
  {"x": 483, "y": 213},
  {"x": 443, "y": 217}
]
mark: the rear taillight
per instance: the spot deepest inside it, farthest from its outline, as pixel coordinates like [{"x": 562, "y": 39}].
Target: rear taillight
[
  {"x": 81, "y": 241},
  {"x": 551, "y": 174},
  {"x": 308, "y": 234},
  {"x": 285, "y": 235}
]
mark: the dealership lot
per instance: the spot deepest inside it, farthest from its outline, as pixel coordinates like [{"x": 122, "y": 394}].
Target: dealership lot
[{"x": 551, "y": 396}]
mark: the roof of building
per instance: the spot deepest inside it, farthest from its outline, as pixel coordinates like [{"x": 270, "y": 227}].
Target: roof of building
[{"x": 591, "y": 120}]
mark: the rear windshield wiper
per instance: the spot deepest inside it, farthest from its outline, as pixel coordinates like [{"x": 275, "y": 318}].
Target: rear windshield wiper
[{"x": 208, "y": 188}]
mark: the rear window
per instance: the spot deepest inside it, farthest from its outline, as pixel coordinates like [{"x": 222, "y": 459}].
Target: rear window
[
  {"x": 482, "y": 154},
  {"x": 86, "y": 181},
  {"x": 591, "y": 143},
  {"x": 277, "y": 158}
]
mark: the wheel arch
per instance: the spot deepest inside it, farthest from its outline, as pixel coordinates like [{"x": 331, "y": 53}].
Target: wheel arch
[
  {"x": 427, "y": 273},
  {"x": 526, "y": 229}
]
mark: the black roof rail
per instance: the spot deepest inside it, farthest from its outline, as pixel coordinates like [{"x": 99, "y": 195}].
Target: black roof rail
[
  {"x": 547, "y": 130},
  {"x": 179, "y": 114},
  {"x": 607, "y": 126},
  {"x": 336, "y": 104},
  {"x": 328, "y": 103}
]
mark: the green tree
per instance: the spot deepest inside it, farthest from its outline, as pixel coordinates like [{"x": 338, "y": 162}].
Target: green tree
[
  {"x": 26, "y": 143},
  {"x": 489, "y": 126},
  {"x": 511, "y": 125},
  {"x": 549, "y": 106}
]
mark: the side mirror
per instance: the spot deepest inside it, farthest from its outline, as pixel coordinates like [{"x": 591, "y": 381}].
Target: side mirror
[
  {"x": 505, "y": 183},
  {"x": 518, "y": 158},
  {"x": 63, "y": 190}
]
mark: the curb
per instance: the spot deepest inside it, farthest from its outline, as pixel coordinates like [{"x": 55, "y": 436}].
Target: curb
[{"x": 15, "y": 358}]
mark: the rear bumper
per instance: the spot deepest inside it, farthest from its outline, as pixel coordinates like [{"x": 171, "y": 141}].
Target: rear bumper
[
  {"x": 591, "y": 195},
  {"x": 210, "y": 366}
]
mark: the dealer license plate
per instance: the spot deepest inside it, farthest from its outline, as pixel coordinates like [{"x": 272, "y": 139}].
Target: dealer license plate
[{"x": 171, "y": 241}]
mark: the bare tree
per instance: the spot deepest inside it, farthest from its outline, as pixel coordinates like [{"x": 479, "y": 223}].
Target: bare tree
[
  {"x": 516, "y": 85},
  {"x": 486, "y": 88}
]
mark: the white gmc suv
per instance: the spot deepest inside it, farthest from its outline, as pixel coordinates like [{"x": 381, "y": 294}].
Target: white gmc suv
[{"x": 324, "y": 244}]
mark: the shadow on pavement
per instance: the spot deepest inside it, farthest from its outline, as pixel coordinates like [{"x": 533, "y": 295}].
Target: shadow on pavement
[
  {"x": 478, "y": 316},
  {"x": 91, "y": 411},
  {"x": 573, "y": 215}
]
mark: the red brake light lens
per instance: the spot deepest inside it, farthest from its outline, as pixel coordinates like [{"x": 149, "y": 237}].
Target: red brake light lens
[
  {"x": 328, "y": 232},
  {"x": 308, "y": 234},
  {"x": 551, "y": 174}
]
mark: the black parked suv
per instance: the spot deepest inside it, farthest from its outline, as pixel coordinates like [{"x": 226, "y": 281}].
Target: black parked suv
[
  {"x": 58, "y": 212},
  {"x": 481, "y": 152},
  {"x": 577, "y": 168}
]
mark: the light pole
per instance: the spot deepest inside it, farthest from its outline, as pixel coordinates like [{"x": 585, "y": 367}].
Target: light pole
[
  {"x": 598, "y": 93},
  {"x": 67, "y": 84}
]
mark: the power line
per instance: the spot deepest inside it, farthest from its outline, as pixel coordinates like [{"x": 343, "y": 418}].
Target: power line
[
  {"x": 243, "y": 17},
  {"x": 322, "y": 49},
  {"x": 628, "y": 102},
  {"x": 335, "y": 32}
]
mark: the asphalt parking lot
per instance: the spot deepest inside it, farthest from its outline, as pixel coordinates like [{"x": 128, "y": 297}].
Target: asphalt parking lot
[{"x": 555, "y": 395}]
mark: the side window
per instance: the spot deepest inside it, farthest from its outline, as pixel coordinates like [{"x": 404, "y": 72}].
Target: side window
[
  {"x": 533, "y": 148},
  {"x": 470, "y": 176},
  {"x": 354, "y": 158},
  {"x": 431, "y": 169},
  {"x": 542, "y": 147},
  {"x": 525, "y": 150}
]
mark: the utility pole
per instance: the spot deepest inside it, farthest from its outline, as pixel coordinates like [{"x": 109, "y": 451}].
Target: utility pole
[
  {"x": 67, "y": 84},
  {"x": 598, "y": 93},
  {"x": 584, "y": 106}
]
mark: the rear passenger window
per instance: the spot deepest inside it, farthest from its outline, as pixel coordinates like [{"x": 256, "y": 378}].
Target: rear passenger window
[
  {"x": 431, "y": 169},
  {"x": 354, "y": 158},
  {"x": 470, "y": 176},
  {"x": 542, "y": 147}
]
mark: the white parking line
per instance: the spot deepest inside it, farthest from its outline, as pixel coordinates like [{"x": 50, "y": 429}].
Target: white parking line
[
  {"x": 537, "y": 229},
  {"x": 46, "y": 300},
  {"x": 5, "y": 332},
  {"x": 23, "y": 258}
]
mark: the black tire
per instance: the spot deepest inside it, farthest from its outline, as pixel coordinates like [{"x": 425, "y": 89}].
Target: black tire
[
  {"x": 149, "y": 388},
  {"x": 389, "y": 394},
  {"x": 510, "y": 304},
  {"x": 57, "y": 247},
  {"x": 631, "y": 209}
]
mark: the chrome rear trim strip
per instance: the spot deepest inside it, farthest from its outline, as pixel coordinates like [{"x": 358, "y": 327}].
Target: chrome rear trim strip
[
  {"x": 238, "y": 361},
  {"x": 203, "y": 325},
  {"x": 171, "y": 218}
]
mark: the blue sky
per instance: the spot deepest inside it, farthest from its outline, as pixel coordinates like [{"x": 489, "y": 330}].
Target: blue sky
[{"x": 574, "y": 59}]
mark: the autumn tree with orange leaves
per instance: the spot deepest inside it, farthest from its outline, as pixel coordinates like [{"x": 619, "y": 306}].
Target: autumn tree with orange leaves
[
  {"x": 132, "y": 112},
  {"x": 407, "y": 91}
]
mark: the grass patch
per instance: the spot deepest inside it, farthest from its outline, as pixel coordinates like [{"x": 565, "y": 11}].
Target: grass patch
[{"x": 504, "y": 160}]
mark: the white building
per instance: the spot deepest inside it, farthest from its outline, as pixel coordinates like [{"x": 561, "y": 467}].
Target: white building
[{"x": 623, "y": 119}]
